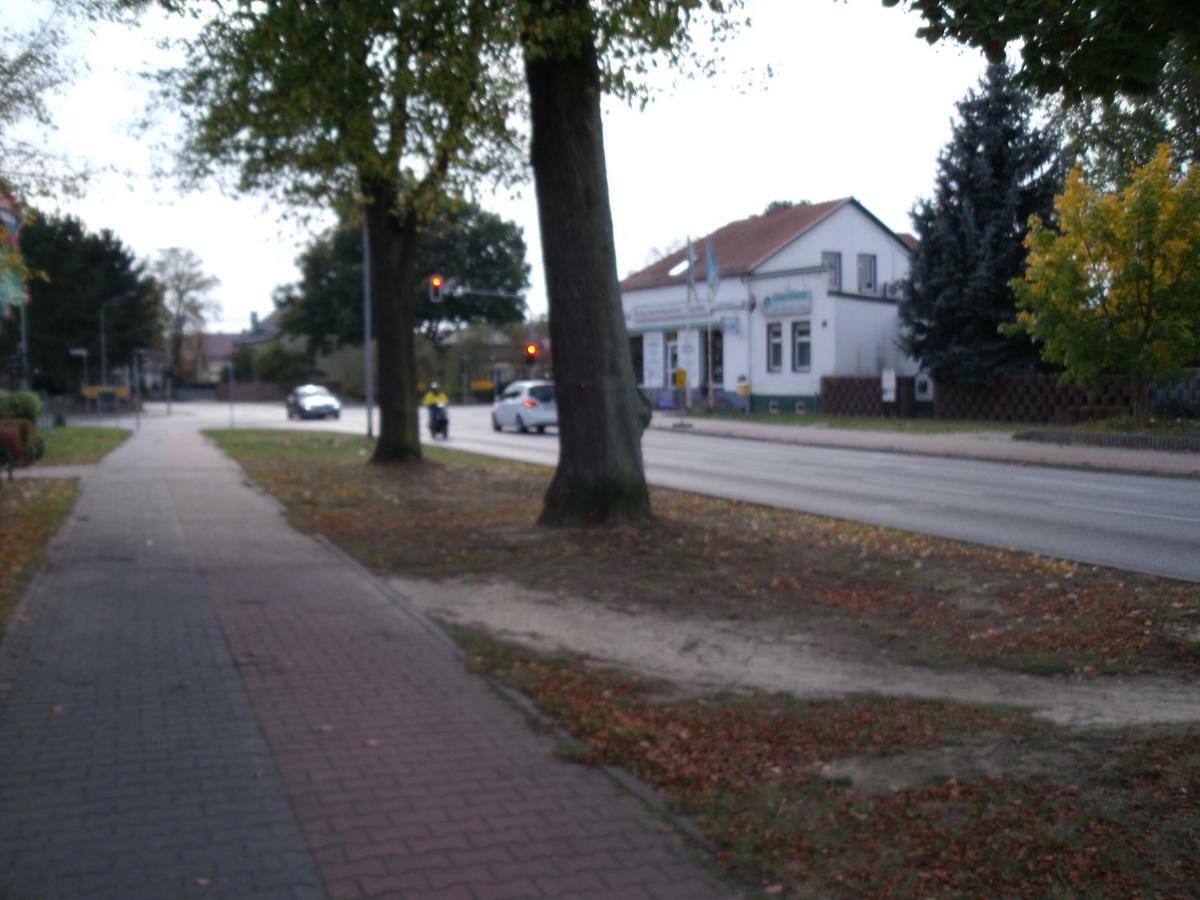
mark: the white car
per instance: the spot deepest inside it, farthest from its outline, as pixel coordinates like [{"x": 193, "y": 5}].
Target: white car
[{"x": 526, "y": 405}]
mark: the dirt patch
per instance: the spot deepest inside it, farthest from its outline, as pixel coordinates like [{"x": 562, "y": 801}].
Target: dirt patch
[{"x": 699, "y": 653}]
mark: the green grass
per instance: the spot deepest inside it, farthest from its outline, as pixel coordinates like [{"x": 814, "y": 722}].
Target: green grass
[
  {"x": 68, "y": 445},
  {"x": 283, "y": 446},
  {"x": 865, "y": 423},
  {"x": 31, "y": 511}
]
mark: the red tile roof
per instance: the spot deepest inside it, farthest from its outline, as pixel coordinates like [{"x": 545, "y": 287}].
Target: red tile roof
[
  {"x": 739, "y": 246},
  {"x": 742, "y": 246},
  {"x": 908, "y": 239}
]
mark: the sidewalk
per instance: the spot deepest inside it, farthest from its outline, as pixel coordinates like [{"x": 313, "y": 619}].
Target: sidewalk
[
  {"x": 198, "y": 701},
  {"x": 987, "y": 446}
]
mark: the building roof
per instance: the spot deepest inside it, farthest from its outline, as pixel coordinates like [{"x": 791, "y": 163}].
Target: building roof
[
  {"x": 742, "y": 246},
  {"x": 908, "y": 239},
  {"x": 219, "y": 345}
]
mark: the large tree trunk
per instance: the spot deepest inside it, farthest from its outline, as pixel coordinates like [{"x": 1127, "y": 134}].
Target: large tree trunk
[
  {"x": 600, "y": 477},
  {"x": 393, "y": 241}
]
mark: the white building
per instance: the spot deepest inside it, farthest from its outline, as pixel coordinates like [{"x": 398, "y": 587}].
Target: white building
[{"x": 804, "y": 292}]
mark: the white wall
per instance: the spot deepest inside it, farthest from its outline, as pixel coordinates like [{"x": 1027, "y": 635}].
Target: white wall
[
  {"x": 849, "y": 231},
  {"x": 866, "y": 339}
]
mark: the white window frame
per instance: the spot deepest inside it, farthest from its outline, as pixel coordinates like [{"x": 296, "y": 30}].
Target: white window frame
[
  {"x": 832, "y": 259},
  {"x": 806, "y": 324},
  {"x": 774, "y": 346}
]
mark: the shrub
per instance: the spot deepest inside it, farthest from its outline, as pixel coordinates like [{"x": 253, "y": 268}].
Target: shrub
[{"x": 20, "y": 405}]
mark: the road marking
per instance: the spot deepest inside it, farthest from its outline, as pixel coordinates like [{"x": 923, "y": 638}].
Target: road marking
[{"x": 1126, "y": 512}]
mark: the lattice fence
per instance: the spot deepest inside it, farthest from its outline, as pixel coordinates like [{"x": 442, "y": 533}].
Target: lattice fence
[{"x": 849, "y": 396}]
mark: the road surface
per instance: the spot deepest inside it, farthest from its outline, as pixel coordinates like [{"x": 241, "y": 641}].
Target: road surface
[{"x": 1133, "y": 522}]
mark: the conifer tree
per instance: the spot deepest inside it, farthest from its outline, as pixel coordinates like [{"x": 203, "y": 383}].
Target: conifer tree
[{"x": 995, "y": 173}]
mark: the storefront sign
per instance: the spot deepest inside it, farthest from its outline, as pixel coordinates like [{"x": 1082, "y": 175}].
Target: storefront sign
[{"x": 793, "y": 303}]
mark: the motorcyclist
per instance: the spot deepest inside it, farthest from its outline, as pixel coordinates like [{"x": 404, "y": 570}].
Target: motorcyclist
[
  {"x": 435, "y": 400},
  {"x": 435, "y": 396}
]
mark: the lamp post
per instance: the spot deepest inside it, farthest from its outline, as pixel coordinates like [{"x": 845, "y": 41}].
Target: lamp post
[{"x": 103, "y": 336}]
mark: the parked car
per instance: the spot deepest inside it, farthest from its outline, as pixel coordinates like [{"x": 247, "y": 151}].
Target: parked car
[
  {"x": 524, "y": 405},
  {"x": 311, "y": 401}
]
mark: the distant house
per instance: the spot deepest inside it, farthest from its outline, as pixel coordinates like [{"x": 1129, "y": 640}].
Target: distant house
[
  {"x": 206, "y": 356},
  {"x": 804, "y": 292}
]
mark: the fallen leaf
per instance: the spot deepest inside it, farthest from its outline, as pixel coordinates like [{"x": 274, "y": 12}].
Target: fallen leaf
[
  {"x": 324, "y": 729},
  {"x": 203, "y": 882},
  {"x": 372, "y": 742}
]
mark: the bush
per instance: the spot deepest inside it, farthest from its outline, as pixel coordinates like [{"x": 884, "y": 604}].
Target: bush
[{"x": 20, "y": 405}]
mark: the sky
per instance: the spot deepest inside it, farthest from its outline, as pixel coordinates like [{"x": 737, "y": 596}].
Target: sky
[{"x": 855, "y": 105}]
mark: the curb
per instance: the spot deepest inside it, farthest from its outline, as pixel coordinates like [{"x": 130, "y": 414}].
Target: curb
[
  {"x": 935, "y": 454},
  {"x": 1169, "y": 443}
]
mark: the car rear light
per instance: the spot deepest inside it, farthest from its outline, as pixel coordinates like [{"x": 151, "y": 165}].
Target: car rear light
[{"x": 529, "y": 404}]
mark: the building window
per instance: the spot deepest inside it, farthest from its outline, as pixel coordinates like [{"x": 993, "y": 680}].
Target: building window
[
  {"x": 801, "y": 346},
  {"x": 866, "y": 273},
  {"x": 832, "y": 260},
  {"x": 775, "y": 347}
]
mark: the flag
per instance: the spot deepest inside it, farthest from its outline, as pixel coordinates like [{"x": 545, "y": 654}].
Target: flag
[
  {"x": 714, "y": 272},
  {"x": 691, "y": 269}
]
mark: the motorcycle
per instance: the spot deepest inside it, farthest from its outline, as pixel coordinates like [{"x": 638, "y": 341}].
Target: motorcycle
[{"x": 439, "y": 421}]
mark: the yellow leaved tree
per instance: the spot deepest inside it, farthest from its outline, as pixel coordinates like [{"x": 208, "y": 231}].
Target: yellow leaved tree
[{"x": 1115, "y": 290}]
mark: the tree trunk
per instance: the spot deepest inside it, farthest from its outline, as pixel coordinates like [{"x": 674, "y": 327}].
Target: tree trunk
[
  {"x": 600, "y": 476},
  {"x": 393, "y": 240}
]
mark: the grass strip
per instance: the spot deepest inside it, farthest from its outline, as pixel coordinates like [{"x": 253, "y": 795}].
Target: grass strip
[
  {"x": 75, "y": 445},
  {"x": 31, "y": 511},
  {"x": 1111, "y": 815}
]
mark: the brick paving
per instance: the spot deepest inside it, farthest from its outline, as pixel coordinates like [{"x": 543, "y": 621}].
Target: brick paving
[{"x": 202, "y": 692}]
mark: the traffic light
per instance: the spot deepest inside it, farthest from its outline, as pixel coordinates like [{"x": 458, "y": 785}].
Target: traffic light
[
  {"x": 531, "y": 353},
  {"x": 436, "y": 283}
]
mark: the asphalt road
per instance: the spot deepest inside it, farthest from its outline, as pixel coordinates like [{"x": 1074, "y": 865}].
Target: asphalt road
[{"x": 1132, "y": 522}]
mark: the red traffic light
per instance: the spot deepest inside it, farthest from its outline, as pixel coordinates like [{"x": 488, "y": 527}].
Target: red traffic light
[
  {"x": 531, "y": 352},
  {"x": 437, "y": 281}
]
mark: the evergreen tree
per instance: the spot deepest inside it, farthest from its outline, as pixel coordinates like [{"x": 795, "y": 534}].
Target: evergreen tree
[
  {"x": 994, "y": 174},
  {"x": 77, "y": 272}
]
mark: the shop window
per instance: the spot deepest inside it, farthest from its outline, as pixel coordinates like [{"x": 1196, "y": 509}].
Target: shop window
[{"x": 801, "y": 346}]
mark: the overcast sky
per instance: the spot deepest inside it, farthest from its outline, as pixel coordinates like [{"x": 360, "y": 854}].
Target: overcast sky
[{"x": 857, "y": 105}]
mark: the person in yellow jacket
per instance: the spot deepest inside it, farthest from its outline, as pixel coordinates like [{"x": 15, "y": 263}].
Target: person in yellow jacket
[
  {"x": 435, "y": 401},
  {"x": 435, "y": 396}
]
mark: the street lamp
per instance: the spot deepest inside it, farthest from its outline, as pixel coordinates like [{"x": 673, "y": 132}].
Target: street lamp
[{"x": 103, "y": 337}]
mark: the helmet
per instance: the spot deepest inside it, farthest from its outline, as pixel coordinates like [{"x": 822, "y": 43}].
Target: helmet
[{"x": 434, "y": 386}]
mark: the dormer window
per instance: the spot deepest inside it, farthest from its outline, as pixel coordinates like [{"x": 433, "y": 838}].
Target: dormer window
[{"x": 832, "y": 261}]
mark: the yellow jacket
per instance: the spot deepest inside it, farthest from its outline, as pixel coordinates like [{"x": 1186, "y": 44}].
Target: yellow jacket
[{"x": 432, "y": 399}]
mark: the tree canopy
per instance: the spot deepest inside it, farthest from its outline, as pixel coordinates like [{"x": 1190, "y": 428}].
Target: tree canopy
[
  {"x": 382, "y": 102},
  {"x": 464, "y": 242},
  {"x": 78, "y": 271},
  {"x": 1115, "y": 289},
  {"x": 996, "y": 172},
  {"x": 1108, "y": 138},
  {"x": 1081, "y": 48},
  {"x": 187, "y": 300}
]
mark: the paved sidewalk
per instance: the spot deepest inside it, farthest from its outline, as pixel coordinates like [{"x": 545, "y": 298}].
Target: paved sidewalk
[
  {"x": 196, "y": 700},
  {"x": 988, "y": 446}
]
